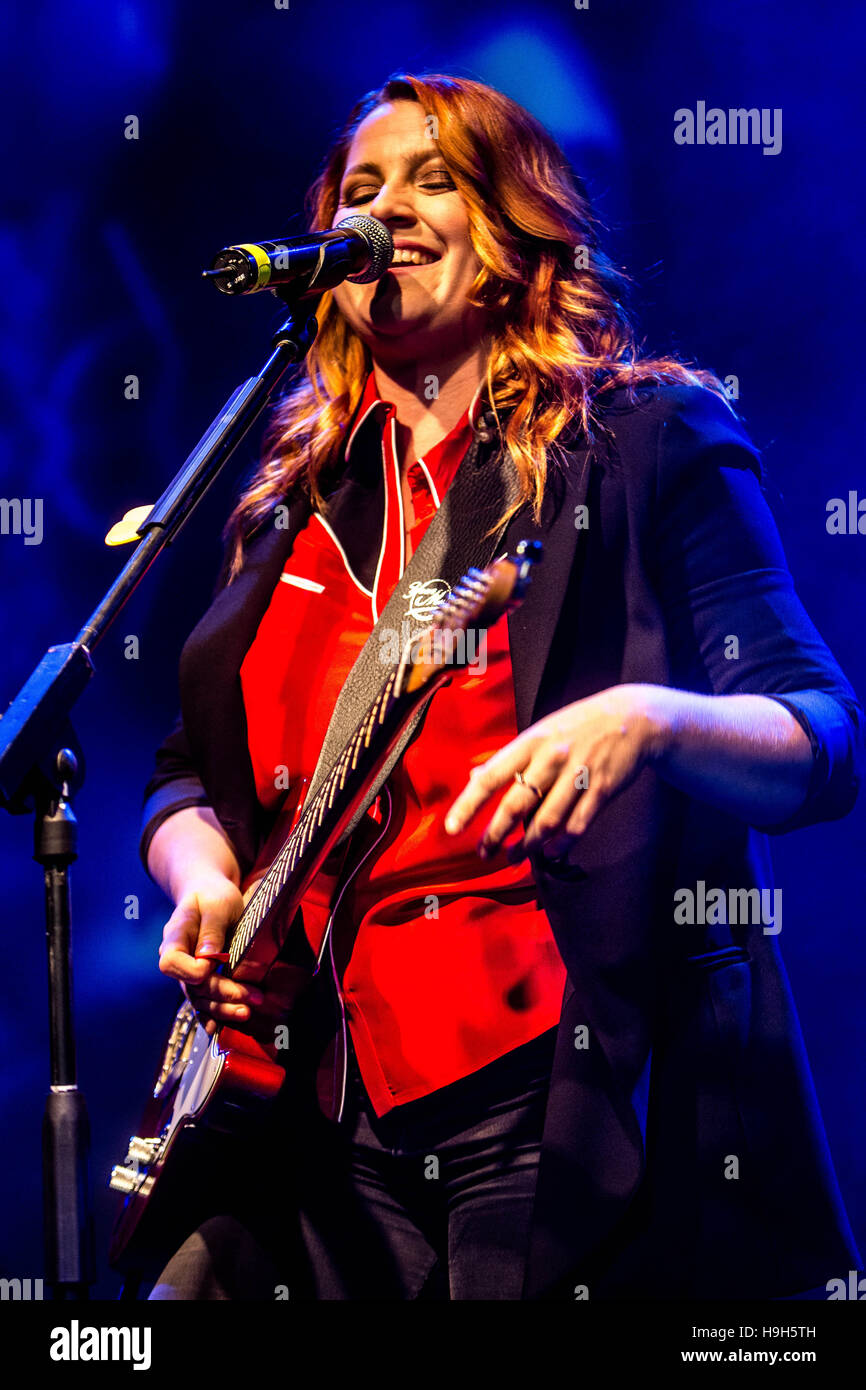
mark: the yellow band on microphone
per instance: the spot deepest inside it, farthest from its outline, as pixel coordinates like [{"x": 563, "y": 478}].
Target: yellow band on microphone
[{"x": 261, "y": 260}]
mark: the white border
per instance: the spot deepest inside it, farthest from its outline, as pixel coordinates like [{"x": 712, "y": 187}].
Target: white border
[
  {"x": 432, "y": 485},
  {"x": 359, "y": 423},
  {"x": 384, "y": 529},
  {"x": 351, "y": 573},
  {"x": 299, "y": 583}
]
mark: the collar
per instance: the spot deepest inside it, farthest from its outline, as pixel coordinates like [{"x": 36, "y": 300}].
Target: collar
[{"x": 372, "y": 407}]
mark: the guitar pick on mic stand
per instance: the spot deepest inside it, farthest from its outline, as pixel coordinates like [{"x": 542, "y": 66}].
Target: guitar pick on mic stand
[{"x": 41, "y": 767}]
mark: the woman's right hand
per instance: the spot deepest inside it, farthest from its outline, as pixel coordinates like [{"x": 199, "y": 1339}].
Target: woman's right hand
[{"x": 198, "y": 925}]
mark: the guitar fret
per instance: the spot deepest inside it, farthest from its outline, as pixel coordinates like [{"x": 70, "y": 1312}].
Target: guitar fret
[
  {"x": 344, "y": 767},
  {"x": 371, "y": 720},
  {"x": 337, "y": 781},
  {"x": 356, "y": 749},
  {"x": 367, "y": 729},
  {"x": 385, "y": 698}
]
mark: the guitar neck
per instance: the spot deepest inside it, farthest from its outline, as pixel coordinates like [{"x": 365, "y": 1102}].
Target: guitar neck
[{"x": 261, "y": 928}]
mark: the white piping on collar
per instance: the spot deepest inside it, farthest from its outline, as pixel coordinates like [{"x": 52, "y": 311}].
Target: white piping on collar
[
  {"x": 384, "y": 536},
  {"x": 433, "y": 488},
  {"x": 354, "y": 578},
  {"x": 399, "y": 484},
  {"x": 359, "y": 423},
  {"x": 372, "y": 406}
]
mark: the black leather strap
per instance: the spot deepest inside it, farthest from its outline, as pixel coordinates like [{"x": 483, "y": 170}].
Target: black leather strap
[{"x": 485, "y": 484}]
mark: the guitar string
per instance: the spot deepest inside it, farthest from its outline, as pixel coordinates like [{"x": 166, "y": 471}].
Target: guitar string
[{"x": 311, "y": 819}]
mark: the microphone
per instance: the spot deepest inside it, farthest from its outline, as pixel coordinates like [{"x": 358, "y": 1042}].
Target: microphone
[{"x": 359, "y": 249}]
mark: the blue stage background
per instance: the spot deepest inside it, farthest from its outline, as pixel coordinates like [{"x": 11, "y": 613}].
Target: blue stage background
[{"x": 749, "y": 263}]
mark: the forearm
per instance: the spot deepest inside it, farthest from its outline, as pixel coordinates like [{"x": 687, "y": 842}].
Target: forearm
[
  {"x": 188, "y": 845},
  {"x": 746, "y": 754}
]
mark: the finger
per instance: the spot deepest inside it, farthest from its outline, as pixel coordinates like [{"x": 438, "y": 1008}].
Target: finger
[
  {"x": 213, "y": 926},
  {"x": 589, "y": 801},
  {"x": 220, "y": 989},
  {"x": 548, "y": 827},
  {"x": 214, "y": 1010},
  {"x": 484, "y": 780},
  {"x": 597, "y": 796},
  {"x": 520, "y": 801},
  {"x": 522, "y": 798},
  {"x": 193, "y": 939},
  {"x": 221, "y": 1013},
  {"x": 201, "y": 1009},
  {"x": 180, "y": 939},
  {"x": 251, "y": 888}
]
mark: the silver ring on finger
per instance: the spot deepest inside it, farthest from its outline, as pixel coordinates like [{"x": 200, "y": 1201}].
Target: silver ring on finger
[{"x": 519, "y": 778}]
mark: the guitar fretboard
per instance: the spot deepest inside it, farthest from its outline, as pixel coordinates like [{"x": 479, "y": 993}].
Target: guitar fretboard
[{"x": 314, "y": 818}]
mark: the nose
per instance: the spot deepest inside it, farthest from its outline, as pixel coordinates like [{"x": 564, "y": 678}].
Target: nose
[{"x": 392, "y": 206}]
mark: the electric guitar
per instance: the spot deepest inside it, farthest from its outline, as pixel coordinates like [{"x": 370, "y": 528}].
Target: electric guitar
[{"x": 207, "y": 1082}]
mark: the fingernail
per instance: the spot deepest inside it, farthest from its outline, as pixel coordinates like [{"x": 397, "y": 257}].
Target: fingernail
[
  {"x": 452, "y": 824},
  {"x": 484, "y": 851}
]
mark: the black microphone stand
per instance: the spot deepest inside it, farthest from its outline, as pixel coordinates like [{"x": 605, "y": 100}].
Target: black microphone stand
[{"x": 39, "y": 771}]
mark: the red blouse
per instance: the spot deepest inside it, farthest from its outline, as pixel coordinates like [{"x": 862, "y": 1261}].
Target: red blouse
[{"x": 454, "y": 963}]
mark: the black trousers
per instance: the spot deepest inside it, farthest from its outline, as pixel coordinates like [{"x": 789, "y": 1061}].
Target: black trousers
[{"x": 431, "y": 1201}]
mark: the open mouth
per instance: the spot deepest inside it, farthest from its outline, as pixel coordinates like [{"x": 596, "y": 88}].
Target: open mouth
[{"x": 406, "y": 259}]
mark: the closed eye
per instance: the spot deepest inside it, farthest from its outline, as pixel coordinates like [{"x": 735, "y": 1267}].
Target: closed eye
[{"x": 440, "y": 182}]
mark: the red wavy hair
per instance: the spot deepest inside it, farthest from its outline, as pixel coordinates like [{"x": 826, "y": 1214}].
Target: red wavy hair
[{"x": 560, "y": 334}]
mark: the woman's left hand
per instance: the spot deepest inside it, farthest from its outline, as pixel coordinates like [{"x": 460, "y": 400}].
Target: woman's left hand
[{"x": 573, "y": 763}]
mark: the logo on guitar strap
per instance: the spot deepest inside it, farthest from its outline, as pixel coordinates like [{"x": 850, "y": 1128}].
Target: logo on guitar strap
[{"x": 424, "y": 597}]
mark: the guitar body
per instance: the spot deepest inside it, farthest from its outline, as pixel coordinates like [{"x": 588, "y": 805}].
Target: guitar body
[
  {"x": 212, "y": 1091},
  {"x": 207, "y": 1085}
]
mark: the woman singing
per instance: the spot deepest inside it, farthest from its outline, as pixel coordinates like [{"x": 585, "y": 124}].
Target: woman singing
[{"x": 574, "y": 1064}]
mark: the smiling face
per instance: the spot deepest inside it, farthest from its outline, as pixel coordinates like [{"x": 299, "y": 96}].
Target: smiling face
[{"x": 394, "y": 171}]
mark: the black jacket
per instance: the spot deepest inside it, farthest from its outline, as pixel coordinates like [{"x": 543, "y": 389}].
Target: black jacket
[{"x": 684, "y": 1154}]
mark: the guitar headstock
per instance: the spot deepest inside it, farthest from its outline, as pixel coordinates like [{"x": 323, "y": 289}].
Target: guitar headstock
[{"x": 457, "y": 626}]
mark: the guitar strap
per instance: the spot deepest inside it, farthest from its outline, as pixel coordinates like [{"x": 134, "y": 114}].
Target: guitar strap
[{"x": 484, "y": 485}]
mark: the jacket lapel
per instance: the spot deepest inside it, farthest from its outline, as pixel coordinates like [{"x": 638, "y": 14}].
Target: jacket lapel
[{"x": 531, "y": 627}]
